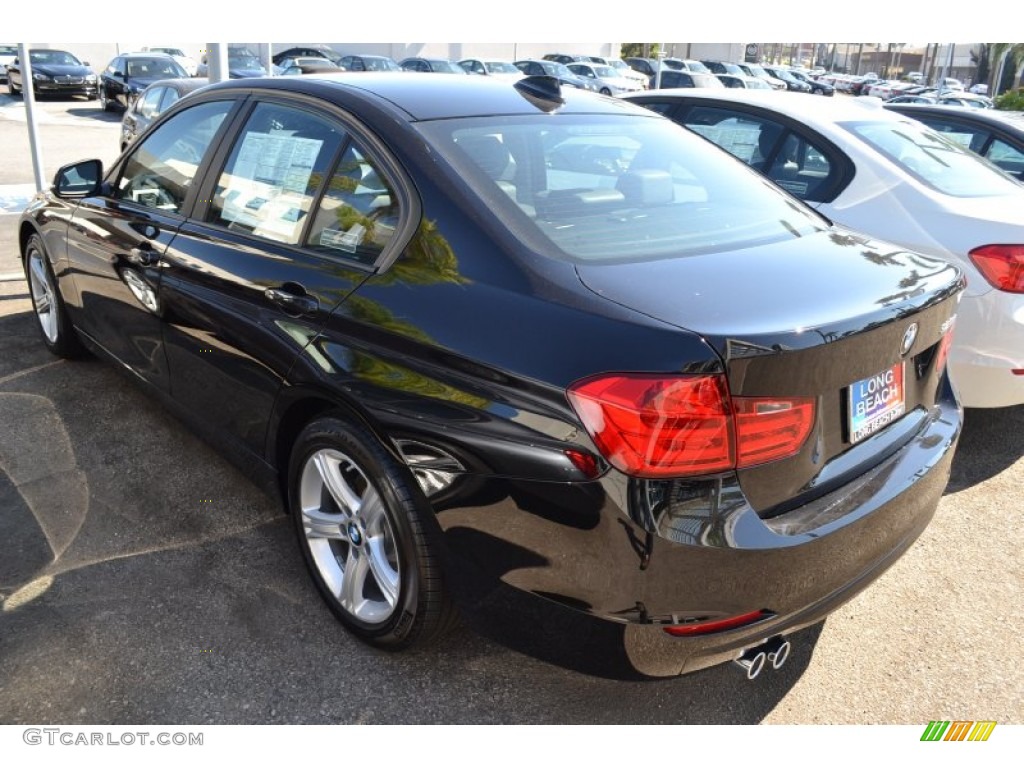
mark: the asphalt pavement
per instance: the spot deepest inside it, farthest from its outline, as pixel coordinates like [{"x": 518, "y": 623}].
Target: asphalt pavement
[{"x": 143, "y": 579}]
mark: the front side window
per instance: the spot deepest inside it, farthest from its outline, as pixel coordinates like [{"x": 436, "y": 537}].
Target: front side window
[
  {"x": 940, "y": 163},
  {"x": 630, "y": 188},
  {"x": 793, "y": 161},
  {"x": 161, "y": 169},
  {"x": 276, "y": 167}
]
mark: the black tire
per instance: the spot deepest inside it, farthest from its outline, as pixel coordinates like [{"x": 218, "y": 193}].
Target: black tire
[
  {"x": 606, "y": 92},
  {"x": 375, "y": 563},
  {"x": 55, "y": 327},
  {"x": 10, "y": 87},
  {"x": 104, "y": 101}
]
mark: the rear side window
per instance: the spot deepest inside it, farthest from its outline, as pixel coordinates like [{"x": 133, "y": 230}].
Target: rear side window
[
  {"x": 161, "y": 169},
  {"x": 271, "y": 179},
  {"x": 1007, "y": 157},
  {"x": 358, "y": 213},
  {"x": 940, "y": 163}
]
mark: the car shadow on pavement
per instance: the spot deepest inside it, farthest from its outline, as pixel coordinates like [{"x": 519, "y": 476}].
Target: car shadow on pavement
[
  {"x": 992, "y": 441},
  {"x": 95, "y": 112},
  {"x": 135, "y": 553}
]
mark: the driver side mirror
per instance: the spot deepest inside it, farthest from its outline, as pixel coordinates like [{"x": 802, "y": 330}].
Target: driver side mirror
[{"x": 82, "y": 179}]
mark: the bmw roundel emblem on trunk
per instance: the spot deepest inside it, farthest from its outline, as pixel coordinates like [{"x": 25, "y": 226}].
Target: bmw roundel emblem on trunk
[{"x": 909, "y": 337}]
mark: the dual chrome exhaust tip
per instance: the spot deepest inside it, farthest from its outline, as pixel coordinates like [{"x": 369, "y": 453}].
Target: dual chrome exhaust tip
[{"x": 774, "y": 652}]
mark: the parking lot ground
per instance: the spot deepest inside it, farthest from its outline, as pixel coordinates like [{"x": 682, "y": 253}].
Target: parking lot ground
[{"x": 143, "y": 579}]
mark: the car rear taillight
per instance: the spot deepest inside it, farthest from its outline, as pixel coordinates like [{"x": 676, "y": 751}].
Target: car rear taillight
[
  {"x": 1001, "y": 265},
  {"x": 649, "y": 425},
  {"x": 770, "y": 429}
]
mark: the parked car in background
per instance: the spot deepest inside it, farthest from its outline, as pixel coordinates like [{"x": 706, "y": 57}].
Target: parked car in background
[
  {"x": 153, "y": 102},
  {"x": 995, "y": 135},
  {"x": 644, "y": 66},
  {"x": 744, "y": 81},
  {"x": 129, "y": 74},
  {"x": 878, "y": 172},
  {"x": 817, "y": 86},
  {"x": 756, "y": 70},
  {"x": 365, "y": 63},
  {"x": 642, "y": 402},
  {"x": 722, "y": 67},
  {"x": 308, "y": 51},
  {"x": 439, "y": 66},
  {"x": 687, "y": 65},
  {"x": 783, "y": 74},
  {"x": 492, "y": 68},
  {"x": 607, "y": 79},
  {"x": 542, "y": 68},
  {"x": 671, "y": 78},
  {"x": 565, "y": 58},
  {"x": 190, "y": 65},
  {"x": 242, "y": 62},
  {"x": 8, "y": 53},
  {"x": 979, "y": 88},
  {"x": 915, "y": 98},
  {"x": 964, "y": 99},
  {"x": 308, "y": 65},
  {"x": 627, "y": 71},
  {"x": 54, "y": 72}
]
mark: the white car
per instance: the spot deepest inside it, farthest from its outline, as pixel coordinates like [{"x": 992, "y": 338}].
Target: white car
[
  {"x": 503, "y": 70},
  {"x": 606, "y": 78},
  {"x": 190, "y": 65},
  {"x": 894, "y": 179},
  {"x": 628, "y": 72}
]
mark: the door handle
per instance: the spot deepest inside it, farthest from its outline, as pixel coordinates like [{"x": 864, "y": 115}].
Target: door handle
[
  {"x": 293, "y": 303},
  {"x": 143, "y": 255}
]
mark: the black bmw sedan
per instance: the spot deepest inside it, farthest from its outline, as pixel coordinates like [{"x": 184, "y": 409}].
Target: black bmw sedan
[
  {"x": 130, "y": 74},
  {"x": 479, "y": 334},
  {"x": 53, "y": 73}
]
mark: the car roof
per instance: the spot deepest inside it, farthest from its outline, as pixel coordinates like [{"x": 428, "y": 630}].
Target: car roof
[
  {"x": 423, "y": 98},
  {"x": 1012, "y": 120},
  {"x": 796, "y": 105}
]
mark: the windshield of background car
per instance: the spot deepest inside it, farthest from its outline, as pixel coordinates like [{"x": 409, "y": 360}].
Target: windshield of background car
[
  {"x": 697, "y": 66},
  {"x": 940, "y": 163},
  {"x": 381, "y": 65},
  {"x": 57, "y": 58},
  {"x": 604, "y": 71},
  {"x": 615, "y": 188},
  {"x": 244, "y": 62},
  {"x": 8, "y": 50},
  {"x": 154, "y": 68},
  {"x": 439, "y": 65},
  {"x": 503, "y": 68}
]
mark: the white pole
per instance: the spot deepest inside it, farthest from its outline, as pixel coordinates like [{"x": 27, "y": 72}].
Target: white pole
[
  {"x": 217, "y": 62},
  {"x": 657, "y": 72},
  {"x": 268, "y": 59},
  {"x": 27, "y": 92}
]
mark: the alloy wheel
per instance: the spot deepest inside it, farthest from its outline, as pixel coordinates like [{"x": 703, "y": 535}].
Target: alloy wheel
[
  {"x": 349, "y": 535},
  {"x": 43, "y": 295}
]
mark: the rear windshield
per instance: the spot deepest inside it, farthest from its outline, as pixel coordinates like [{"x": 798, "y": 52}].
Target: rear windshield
[
  {"x": 938, "y": 162},
  {"x": 616, "y": 188}
]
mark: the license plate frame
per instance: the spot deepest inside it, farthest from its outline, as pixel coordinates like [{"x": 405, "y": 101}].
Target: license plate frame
[{"x": 876, "y": 401}]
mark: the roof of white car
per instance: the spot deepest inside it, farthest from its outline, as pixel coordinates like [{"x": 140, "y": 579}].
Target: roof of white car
[{"x": 813, "y": 110}]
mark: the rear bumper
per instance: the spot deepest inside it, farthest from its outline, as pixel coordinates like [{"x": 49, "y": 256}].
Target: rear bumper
[
  {"x": 582, "y": 546},
  {"x": 988, "y": 345}
]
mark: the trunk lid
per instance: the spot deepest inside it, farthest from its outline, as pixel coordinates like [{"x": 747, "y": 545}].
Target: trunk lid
[{"x": 828, "y": 316}]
